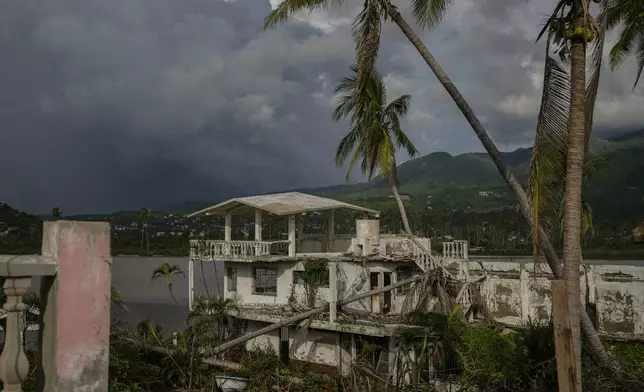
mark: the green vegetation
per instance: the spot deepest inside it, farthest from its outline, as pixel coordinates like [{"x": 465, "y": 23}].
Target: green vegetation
[{"x": 462, "y": 196}]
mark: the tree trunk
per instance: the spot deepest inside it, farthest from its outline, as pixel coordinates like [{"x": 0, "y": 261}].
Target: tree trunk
[
  {"x": 596, "y": 348},
  {"x": 573, "y": 184},
  {"x": 393, "y": 180}
]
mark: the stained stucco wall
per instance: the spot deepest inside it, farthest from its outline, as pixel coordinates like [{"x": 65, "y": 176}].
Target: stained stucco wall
[
  {"x": 352, "y": 278},
  {"x": 320, "y": 347},
  {"x": 516, "y": 291}
]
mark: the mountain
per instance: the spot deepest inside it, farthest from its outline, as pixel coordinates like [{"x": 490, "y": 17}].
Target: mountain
[{"x": 471, "y": 180}]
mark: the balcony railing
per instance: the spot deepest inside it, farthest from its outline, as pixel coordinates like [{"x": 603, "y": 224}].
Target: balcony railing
[{"x": 236, "y": 250}]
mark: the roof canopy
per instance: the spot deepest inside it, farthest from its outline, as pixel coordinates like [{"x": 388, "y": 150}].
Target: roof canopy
[{"x": 280, "y": 204}]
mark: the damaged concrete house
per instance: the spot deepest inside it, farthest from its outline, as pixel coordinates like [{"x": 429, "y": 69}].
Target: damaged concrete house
[{"x": 273, "y": 278}]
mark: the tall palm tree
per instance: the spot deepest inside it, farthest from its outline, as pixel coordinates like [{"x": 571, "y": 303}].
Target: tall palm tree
[
  {"x": 375, "y": 132},
  {"x": 629, "y": 15},
  {"x": 56, "y": 214},
  {"x": 571, "y": 26},
  {"x": 428, "y": 14},
  {"x": 166, "y": 271},
  {"x": 144, "y": 214}
]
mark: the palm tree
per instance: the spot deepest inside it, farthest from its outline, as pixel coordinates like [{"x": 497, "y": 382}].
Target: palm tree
[
  {"x": 149, "y": 331},
  {"x": 56, "y": 214},
  {"x": 629, "y": 14},
  {"x": 207, "y": 318},
  {"x": 429, "y": 13},
  {"x": 117, "y": 300},
  {"x": 144, "y": 214},
  {"x": 167, "y": 271},
  {"x": 375, "y": 133},
  {"x": 571, "y": 26}
]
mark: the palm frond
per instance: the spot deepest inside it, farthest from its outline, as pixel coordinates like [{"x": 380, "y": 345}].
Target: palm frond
[
  {"x": 399, "y": 106},
  {"x": 429, "y": 13},
  {"x": 623, "y": 47},
  {"x": 639, "y": 56},
  {"x": 629, "y": 14},
  {"x": 550, "y": 22},
  {"x": 594, "y": 73},
  {"x": 592, "y": 167},
  {"x": 366, "y": 29},
  {"x": 346, "y": 145},
  {"x": 375, "y": 125},
  {"x": 386, "y": 154},
  {"x": 548, "y": 166},
  {"x": 289, "y": 7}
]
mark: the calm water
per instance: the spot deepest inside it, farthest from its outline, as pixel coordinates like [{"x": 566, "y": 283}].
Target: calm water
[{"x": 131, "y": 276}]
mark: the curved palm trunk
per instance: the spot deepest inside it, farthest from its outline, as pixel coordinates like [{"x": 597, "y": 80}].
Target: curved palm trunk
[
  {"x": 393, "y": 180},
  {"x": 572, "y": 189},
  {"x": 596, "y": 347},
  {"x": 169, "y": 284}
]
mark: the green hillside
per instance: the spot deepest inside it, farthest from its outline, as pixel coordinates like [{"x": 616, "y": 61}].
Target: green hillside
[
  {"x": 455, "y": 195},
  {"x": 20, "y": 233}
]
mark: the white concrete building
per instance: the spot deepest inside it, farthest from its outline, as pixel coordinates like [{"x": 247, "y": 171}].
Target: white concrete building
[{"x": 265, "y": 276}]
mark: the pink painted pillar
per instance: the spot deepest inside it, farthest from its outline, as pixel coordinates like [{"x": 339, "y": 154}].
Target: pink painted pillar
[{"x": 76, "y": 307}]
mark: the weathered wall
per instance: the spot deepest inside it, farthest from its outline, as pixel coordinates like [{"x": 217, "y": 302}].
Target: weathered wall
[
  {"x": 317, "y": 243},
  {"x": 244, "y": 294},
  {"x": 390, "y": 244},
  {"x": 320, "y": 347},
  {"x": 352, "y": 278},
  {"x": 516, "y": 292}
]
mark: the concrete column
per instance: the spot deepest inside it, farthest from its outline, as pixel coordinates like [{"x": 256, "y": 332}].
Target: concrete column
[
  {"x": 291, "y": 235},
  {"x": 354, "y": 351},
  {"x": 228, "y": 232},
  {"x": 524, "y": 292},
  {"x": 226, "y": 277},
  {"x": 258, "y": 224},
  {"x": 444, "y": 249},
  {"x": 258, "y": 231},
  {"x": 75, "y": 308},
  {"x": 333, "y": 291},
  {"x": 228, "y": 229},
  {"x": 191, "y": 283},
  {"x": 331, "y": 231},
  {"x": 466, "y": 250}
]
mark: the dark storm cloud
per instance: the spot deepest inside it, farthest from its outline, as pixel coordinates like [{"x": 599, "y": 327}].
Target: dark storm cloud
[{"x": 131, "y": 103}]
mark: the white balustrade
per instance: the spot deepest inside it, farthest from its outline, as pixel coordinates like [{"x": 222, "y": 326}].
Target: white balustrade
[
  {"x": 221, "y": 250},
  {"x": 457, "y": 250},
  {"x": 14, "y": 366}
]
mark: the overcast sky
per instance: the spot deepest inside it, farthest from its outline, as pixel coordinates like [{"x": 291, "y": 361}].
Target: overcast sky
[{"x": 118, "y": 104}]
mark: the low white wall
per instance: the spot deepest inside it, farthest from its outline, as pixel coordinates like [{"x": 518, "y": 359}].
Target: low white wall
[{"x": 515, "y": 291}]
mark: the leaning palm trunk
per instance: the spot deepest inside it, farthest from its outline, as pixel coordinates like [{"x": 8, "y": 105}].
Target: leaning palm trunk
[
  {"x": 393, "y": 179},
  {"x": 572, "y": 189},
  {"x": 595, "y": 345}
]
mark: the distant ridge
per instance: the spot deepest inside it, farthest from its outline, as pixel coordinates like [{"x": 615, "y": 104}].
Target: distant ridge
[{"x": 628, "y": 136}]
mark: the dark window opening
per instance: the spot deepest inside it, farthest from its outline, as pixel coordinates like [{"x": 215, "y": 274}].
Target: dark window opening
[
  {"x": 265, "y": 280},
  {"x": 231, "y": 273}
]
